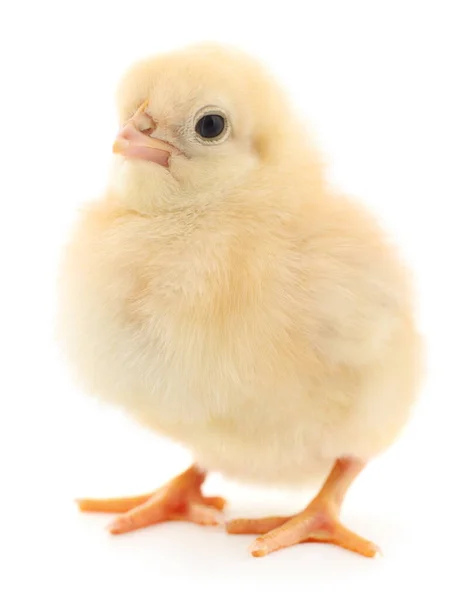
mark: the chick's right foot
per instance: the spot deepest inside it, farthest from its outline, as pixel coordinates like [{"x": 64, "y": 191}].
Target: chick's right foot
[{"x": 179, "y": 500}]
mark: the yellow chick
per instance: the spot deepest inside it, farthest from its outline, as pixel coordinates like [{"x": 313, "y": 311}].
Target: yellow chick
[{"x": 224, "y": 295}]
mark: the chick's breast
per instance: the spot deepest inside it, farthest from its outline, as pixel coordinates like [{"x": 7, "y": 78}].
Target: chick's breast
[{"x": 268, "y": 346}]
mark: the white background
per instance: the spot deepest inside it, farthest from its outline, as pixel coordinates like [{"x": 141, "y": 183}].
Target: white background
[{"x": 383, "y": 85}]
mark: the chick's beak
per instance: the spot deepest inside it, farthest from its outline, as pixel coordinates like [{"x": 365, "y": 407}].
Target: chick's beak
[{"x": 134, "y": 140}]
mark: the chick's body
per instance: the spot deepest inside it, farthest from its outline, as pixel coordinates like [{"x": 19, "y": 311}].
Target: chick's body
[
  {"x": 237, "y": 304},
  {"x": 268, "y": 341}
]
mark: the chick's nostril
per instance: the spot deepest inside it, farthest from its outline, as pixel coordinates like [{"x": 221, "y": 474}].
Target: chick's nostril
[{"x": 145, "y": 124}]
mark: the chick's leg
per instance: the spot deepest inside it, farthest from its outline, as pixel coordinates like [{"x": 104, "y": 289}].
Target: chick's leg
[
  {"x": 179, "y": 500},
  {"x": 318, "y": 522}
]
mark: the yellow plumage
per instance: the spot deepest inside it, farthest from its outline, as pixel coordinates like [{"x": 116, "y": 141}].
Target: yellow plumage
[{"x": 234, "y": 302}]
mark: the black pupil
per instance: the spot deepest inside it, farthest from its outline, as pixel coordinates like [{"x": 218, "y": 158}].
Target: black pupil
[{"x": 210, "y": 126}]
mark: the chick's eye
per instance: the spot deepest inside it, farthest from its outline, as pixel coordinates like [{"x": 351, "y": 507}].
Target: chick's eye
[{"x": 210, "y": 126}]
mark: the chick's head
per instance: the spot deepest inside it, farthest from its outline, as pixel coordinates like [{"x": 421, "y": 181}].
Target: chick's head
[{"x": 194, "y": 124}]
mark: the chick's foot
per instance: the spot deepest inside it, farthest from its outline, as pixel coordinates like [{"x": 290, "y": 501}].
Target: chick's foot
[
  {"x": 179, "y": 500},
  {"x": 318, "y": 522}
]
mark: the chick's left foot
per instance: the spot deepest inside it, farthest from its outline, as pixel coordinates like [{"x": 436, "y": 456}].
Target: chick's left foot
[
  {"x": 179, "y": 500},
  {"x": 315, "y": 524},
  {"x": 318, "y": 522}
]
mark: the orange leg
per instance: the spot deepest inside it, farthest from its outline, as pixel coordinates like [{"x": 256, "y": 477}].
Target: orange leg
[
  {"x": 179, "y": 500},
  {"x": 318, "y": 522}
]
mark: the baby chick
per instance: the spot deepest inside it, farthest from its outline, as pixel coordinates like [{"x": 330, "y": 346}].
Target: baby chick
[{"x": 224, "y": 295}]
